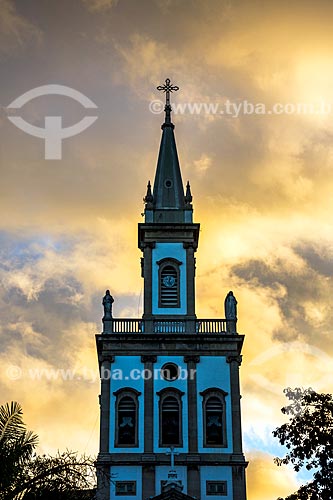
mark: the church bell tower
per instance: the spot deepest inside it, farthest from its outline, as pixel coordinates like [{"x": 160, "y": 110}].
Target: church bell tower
[{"x": 170, "y": 423}]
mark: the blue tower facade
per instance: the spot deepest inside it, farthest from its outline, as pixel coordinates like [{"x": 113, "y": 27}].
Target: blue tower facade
[{"x": 170, "y": 397}]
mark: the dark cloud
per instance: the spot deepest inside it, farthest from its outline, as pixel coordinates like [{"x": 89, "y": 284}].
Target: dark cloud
[
  {"x": 50, "y": 306},
  {"x": 318, "y": 258},
  {"x": 305, "y": 287}
]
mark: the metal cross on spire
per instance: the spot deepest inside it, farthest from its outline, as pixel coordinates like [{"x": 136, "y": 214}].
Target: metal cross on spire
[{"x": 167, "y": 88}]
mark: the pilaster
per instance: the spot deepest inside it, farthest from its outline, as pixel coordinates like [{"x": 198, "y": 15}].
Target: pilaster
[
  {"x": 105, "y": 375},
  {"x": 103, "y": 467},
  {"x": 238, "y": 471},
  {"x": 148, "y": 471},
  {"x": 148, "y": 277},
  {"x": 239, "y": 482},
  {"x": 193, "y": 481},
  {"x": 190, "y": 274},
  {"x": 193, "y": 471},
  {"x": 192, "y": 403}
]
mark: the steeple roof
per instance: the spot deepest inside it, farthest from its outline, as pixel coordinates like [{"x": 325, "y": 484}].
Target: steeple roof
[
  {"x": 168, "y": 189},
  {"x": 167, "y": 202}
]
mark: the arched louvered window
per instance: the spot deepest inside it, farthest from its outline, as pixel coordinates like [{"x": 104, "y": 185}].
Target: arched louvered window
[
  {"x": 214, "y": 418},
  {"x": 170, "y": 418},
  {"x": 170, "y": 421},
  {"x": 169, "y": 284},
  {"x": 214, "y": 415},
  {"x": 126, "y": 431}
]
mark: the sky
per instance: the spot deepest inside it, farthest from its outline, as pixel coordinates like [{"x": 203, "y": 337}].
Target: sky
[{"x": 262, "y": 189}]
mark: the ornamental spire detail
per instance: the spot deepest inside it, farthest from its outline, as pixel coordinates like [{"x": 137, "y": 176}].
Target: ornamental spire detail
[{"x": 167, "y": 88}]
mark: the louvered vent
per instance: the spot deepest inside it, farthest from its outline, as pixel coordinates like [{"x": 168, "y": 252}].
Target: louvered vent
[
  {"x": 214, "y": 422},
  {"x": 214, "y": 404},
  {"x": 170, "y": 404},
  {"x": 169, "y": 287},
  {"x": 127, "y": 422},
  {"x": 170, "y": 422},
  {"x": 126, "y": 404}
]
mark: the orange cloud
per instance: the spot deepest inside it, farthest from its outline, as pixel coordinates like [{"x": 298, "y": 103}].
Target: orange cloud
[{"x": 266, "y": 481}]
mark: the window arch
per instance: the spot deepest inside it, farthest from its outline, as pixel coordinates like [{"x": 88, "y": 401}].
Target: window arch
[
  {"x": 126, "y": 418},
  {"x": 214, "y": 418},
  {"x": 169, "y": 282},
  {"x": 170, "y": 418}
]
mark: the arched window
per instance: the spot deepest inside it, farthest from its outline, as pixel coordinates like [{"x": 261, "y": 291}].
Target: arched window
[
  {"x": 126, "y": 429},
  {"x": 170, "y": 410},
  {"x": 169, "y": 283},
  {"x": 214, "y": 418}
]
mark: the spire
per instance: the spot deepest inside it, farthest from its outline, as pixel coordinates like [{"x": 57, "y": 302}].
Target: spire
[
  {"x": 188, "y": 195},
  {"x": 148, "y": 199},
  {"x": 168, "y": 189},
  {"x": 168, "y": 201}
]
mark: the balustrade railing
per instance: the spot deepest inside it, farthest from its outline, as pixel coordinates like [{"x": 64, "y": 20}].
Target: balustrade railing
[{"x": 199, "y": 326}]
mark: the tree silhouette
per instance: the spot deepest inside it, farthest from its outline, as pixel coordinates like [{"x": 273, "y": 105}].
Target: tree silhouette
[
  {"x": 27, "y": 476},
  {"x": 16, "y": 444},
  {"x": 309, "y": 440}
]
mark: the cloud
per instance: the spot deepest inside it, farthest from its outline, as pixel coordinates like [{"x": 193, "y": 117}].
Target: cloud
[
  {"x": 143, "y": 62},
  {"x": 50, "y": 307},
  {"x": 15, "y": 30},
  {"x": 51, "y": 390},
  {"x": 48, "y": 320},
  {"x": 100, "y": 5},
  {"x": 266, "y": 481},
  {"x": 203, "y": 164},
  {"x": 52, "y": 290},
  {"x": 303, "y": 303}
]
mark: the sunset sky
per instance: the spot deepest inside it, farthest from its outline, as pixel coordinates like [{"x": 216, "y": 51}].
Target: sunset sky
[{"x": 262, "y": 189}]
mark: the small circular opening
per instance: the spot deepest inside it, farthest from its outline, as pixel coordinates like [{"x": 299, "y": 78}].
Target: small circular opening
[
  {"x": 168, "y": 183},
  {"x": 170, "y": 372}
]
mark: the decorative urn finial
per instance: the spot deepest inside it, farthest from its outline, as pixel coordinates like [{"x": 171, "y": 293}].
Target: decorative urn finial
[
  {"x": 148, "y": 199},
  {"x": 188, "y": 195}
]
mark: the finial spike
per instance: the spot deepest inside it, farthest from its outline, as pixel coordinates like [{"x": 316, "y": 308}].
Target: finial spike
[
  {"x": 149, "y": 197},
  {"x": 188, "y": 195}
]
